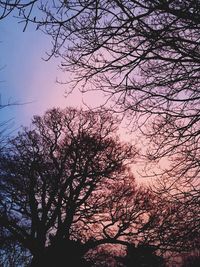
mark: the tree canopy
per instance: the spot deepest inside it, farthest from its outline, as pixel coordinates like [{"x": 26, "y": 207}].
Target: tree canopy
[
  {"x": 144, "y": 55},
  {"x": 65, "y": 186}
]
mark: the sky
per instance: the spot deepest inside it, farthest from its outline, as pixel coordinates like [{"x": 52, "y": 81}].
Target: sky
[{"x": 28, "y": 80}]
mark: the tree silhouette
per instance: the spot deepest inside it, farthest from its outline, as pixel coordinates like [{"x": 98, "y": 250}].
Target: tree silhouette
[
  {"x": 65, "y": 187},
  {"x": 7, "y": 7},
  {"x": 143, "y": 54},
  {"x": 191, "y": 261},
  {"x": 142, "y": 256},
  {"x": 152, "y": 48}
]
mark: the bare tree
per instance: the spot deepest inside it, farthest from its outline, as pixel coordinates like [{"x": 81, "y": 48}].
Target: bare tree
[
  {"x": 145, "y": 56},
  {"x": 65, "y": 186},
  {"x": 7, "y": 7}
]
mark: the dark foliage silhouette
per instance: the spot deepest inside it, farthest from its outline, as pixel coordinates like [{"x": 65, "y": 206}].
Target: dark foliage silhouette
[
  {"x": 142, "y": 256},
  {"x": 65, "y": 187},
  {"x": 145, "y": 54},
  {"x": 191, "y": 261}
]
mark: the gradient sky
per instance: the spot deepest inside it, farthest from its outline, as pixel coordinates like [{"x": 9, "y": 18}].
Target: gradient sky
[{"x": 26, "y": 78}]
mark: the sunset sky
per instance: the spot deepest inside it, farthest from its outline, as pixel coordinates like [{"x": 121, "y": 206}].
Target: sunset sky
[
  {"x": 30, "y": 81},
  {"x": 99, "y": 133},
  {"x": 27, "y": 78}
]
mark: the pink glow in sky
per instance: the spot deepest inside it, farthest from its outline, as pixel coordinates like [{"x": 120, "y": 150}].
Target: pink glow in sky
[
  {"x": 26, "y": 78},
  {"x": 29, "y": 79}
]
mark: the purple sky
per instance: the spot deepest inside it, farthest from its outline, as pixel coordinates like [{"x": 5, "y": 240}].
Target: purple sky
[{"x": 27, "y": 78}]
